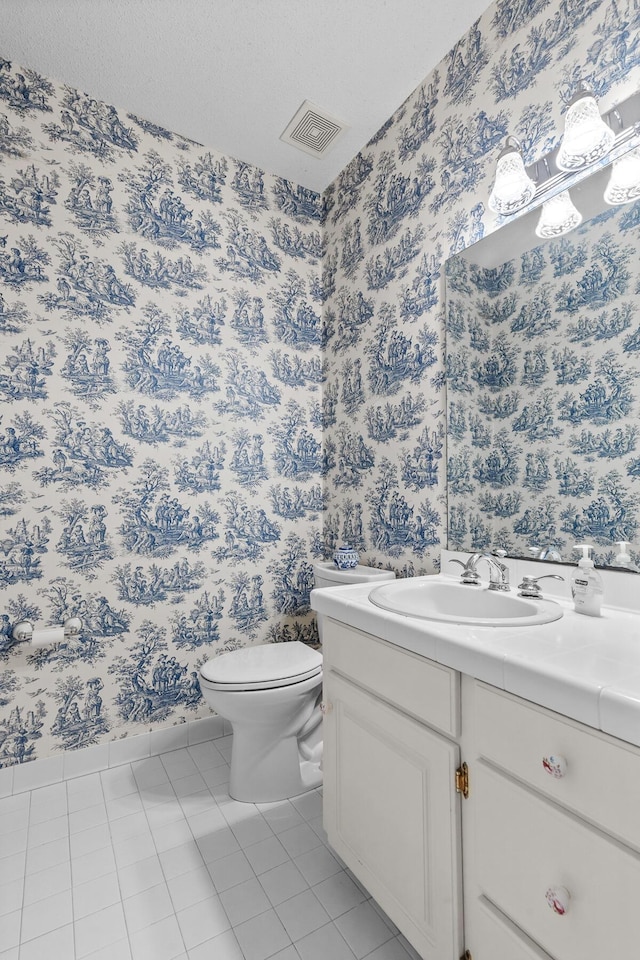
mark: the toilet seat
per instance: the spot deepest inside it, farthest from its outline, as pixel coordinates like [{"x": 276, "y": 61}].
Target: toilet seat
[{"x": 263, "y": 667}]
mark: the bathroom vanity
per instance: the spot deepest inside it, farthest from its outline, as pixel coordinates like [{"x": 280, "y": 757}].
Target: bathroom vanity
[{"x": 483, "y": 783}]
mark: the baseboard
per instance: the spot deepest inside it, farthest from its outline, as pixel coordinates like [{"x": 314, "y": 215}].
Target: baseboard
[{"x": 78, "y": 763}]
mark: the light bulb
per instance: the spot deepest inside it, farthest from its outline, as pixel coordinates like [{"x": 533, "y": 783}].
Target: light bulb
[
  {"x": 624, "y": 183},
  {"x": 587, "y": 138},
  {"x": 558, "y": 216},
  {"x": 513, "y": 187}
]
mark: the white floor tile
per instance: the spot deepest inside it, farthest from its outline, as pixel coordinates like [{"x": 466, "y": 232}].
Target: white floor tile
[
  {"x": 38, "y": 886},
  {"x": 229, "y": 871},
  {"x": 40, "y": 833},
  {"x": 317, "y": 864},
  {"x": 118, "y": 782},
  {"x": 223, "y": 947},
  {"x": 265, "y": 855},
  {"x": 147, "y": 907},
  {"x": 97, "y": 838},
  {"x": 133, "y": 849},
  {"x": 283, "y": 882},
  {"x": 95, "y": 895},
  {"x": 133, "y": 825},
  {"x": 158, "y": 866},
  {"x": 338, "y": 894},
  {"x": 299, "y": 840},
  {"x": 181, "y": 859},
  {"x": 46, "y": 915},
  {"x": 218, "y": 844},
  {"x": 57, "y": 945},
  {"x": 10, "y": 929},
  {"x": 86, "y": 818},
  {"x": 190, "y": 888},
  {"x": 245, "y": 900},
  {"x": 47, "y": 855},
  {"x": 84, "y": 792},
  {"x": 160, "y": 941},
  {"x": 140, "y": 876},
  {"x": 99, "y": 930},
  {"x": 363, "y": 929},
  {"x": 202, "y": 921},
  {"x": 302, "y": 915},
  {"x": 323, "y": 943},
  {"x": 392, "y": 950},
  {"x": 124, "y": 806},
  {"x": 251, "y": 830},
  {"x": 263, "y": 936},
  {"x": 92, "y": 865},
  {"x": 11, "y": 896}
]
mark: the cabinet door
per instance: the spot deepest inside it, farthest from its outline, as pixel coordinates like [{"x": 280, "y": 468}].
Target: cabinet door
[{"x": 392, "y": 814}]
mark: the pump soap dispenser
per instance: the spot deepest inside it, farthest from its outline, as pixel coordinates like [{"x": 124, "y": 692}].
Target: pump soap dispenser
[
  {"x": 586, "y": 584},
  {"x": 623, "y": 557}
]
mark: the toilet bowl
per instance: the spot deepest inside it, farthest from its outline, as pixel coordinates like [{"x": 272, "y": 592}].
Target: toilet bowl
[{"x": 270, "y": 694}]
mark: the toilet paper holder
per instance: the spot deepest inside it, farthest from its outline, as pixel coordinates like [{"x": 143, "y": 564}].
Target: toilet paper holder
[{"x": 23, "y": 631}]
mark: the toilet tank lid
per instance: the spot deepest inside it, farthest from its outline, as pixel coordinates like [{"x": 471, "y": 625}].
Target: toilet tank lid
[
  {"x": 263, "y": 663},
  {"x": 327, "y": 570}
]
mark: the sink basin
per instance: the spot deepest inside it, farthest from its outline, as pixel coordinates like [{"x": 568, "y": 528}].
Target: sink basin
[{"x": 451, "y": 602}]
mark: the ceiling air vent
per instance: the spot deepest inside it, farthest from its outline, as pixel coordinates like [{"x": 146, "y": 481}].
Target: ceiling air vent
[{"x": 312, "y": 130}]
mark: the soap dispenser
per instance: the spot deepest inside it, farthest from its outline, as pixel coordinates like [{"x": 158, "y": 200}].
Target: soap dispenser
[
  {"x": 586, "y": 584},
  {"x": 623, "y": 557}
]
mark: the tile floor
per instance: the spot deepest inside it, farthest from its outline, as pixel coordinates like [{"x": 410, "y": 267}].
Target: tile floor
[{"x": 153, "y": 861}]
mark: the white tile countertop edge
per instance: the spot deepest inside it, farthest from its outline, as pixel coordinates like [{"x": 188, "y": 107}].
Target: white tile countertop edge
[{"x": 586, "y": 668}]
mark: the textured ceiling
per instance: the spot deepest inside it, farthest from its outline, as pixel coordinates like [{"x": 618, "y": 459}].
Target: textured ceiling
[{"x": 231, "y": 73}]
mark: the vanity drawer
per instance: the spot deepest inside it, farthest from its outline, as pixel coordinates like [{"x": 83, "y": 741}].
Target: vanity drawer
[
  {"x": 547, "y": 848},
  {"x": 492, "y": 936},
  {"x": 420, "y": 687},
  {"x": 601, "y": 780}
]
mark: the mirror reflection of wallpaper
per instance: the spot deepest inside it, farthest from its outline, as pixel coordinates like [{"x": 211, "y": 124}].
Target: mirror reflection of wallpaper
[
  {"x": 543, "y": 363},
  {"x": 160, "y": 431}
]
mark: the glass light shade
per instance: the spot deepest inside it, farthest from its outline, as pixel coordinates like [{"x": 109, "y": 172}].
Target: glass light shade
[
  {"x": 513, "y": 187},
  {"x": 558, "y": 216},
  {"x": 624, "y": 183},
  {"x": 587, "y": 138}
]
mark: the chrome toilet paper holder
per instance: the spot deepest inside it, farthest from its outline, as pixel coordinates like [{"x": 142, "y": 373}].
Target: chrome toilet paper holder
[{"x": 23, "y": 631}]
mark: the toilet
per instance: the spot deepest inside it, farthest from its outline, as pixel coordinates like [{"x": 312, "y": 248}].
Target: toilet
[{"x": 271, "y": 696}]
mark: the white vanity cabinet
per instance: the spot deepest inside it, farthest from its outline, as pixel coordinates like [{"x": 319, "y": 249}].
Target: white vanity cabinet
[
  {"x": 544, "y": 854},
  {"x": 551, "y": 834},
  {"x": 390, "y": 805}
]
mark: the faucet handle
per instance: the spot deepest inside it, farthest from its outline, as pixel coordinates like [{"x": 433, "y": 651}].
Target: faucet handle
[
  {"x": 529, "y": 586},
  {"x": 469, "y": 573}
]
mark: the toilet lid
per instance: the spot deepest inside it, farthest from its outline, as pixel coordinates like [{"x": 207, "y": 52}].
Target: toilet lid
[{"x": 262, "y": 667}]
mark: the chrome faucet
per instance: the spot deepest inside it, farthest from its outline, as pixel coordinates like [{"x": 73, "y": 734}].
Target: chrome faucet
[{"x": 498, "y": 571}]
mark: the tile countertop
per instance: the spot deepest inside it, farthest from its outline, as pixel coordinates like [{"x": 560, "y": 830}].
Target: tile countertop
[{"x": 586, "y": 668}]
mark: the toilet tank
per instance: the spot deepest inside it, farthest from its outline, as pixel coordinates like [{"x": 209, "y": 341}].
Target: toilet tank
[{"x": 327, "y": 574}]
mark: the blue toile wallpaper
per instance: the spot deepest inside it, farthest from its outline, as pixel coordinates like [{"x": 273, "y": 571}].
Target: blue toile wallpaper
[
  {"x": 542, "y": 381},
  {"x": 160, "y": 414},
  {"x": 413, "y": 197},
  {"x": 209, "y": 378}
]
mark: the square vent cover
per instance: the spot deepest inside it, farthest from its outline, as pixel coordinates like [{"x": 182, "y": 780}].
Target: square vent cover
[{"x": 313, "y": 130}]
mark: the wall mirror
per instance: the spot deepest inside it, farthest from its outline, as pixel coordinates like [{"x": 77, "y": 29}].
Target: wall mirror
[{"x": 543, "y": 385}]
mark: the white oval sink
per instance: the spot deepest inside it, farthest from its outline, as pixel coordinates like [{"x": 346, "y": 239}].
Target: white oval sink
[{"x": 449, "y": 602}]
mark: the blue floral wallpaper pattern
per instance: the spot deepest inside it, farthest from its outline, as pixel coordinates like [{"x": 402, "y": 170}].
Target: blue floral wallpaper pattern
[
  {"x": 210, "y": 376},
  {"x": 413, "y": 197},
  {"x": 160, "y": 417}
]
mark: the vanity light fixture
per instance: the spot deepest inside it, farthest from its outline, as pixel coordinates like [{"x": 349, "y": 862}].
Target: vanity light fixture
[
  {"x": 624, "y": 183},
  {"x": 513, "y": 187},
  {"x": 558, "y": 216},
  {"x": 587, "y": 137}
]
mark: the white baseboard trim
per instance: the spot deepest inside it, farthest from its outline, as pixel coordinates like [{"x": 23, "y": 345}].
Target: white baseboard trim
[{"x": 78, "y": 763}]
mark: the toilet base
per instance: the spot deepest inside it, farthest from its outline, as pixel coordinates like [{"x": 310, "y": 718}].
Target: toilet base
[{"x": 278, "y": 773}]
